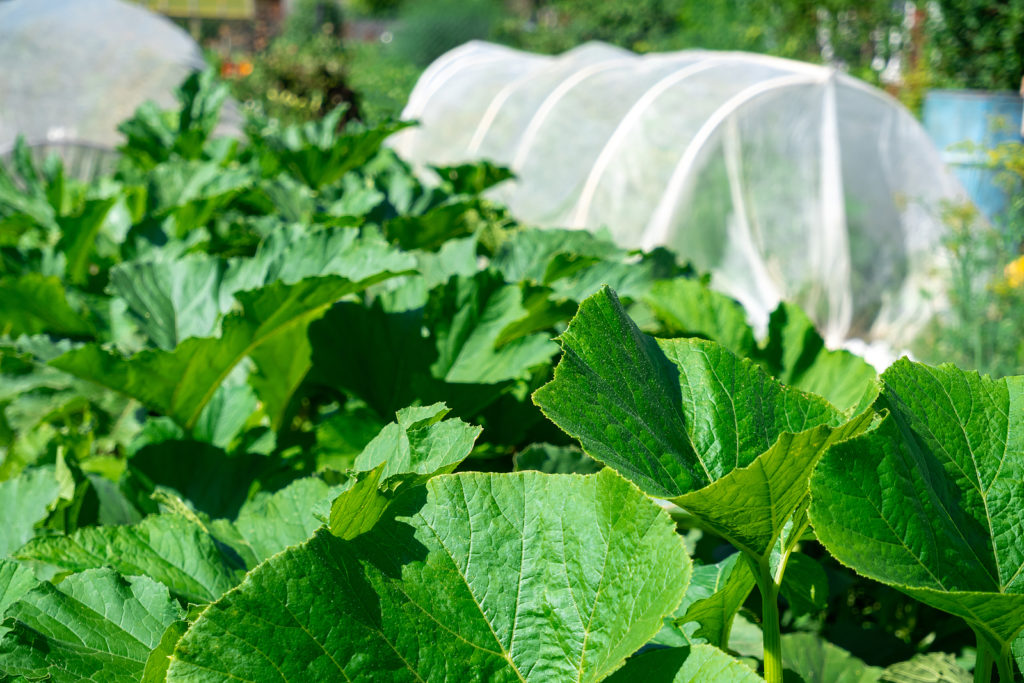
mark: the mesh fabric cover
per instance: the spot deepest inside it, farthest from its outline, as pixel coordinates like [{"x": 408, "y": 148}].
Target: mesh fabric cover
[
  {"x": 74, "y": 69},
  {"x": 783, "y": 179}
]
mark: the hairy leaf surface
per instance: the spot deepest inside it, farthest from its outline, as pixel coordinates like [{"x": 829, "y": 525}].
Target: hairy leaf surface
[
  {"x": 25, "y": 501},
  {"x": 173, "y": 549},
  {"x": 478, "y": 577},
  {"x": 931, "y": 501},
  {"x": 93, "y": 626},
  {"x": 687, "y": 420},
  {"x": 694, "y": 664},
  {"x": 271, "y": 327}
]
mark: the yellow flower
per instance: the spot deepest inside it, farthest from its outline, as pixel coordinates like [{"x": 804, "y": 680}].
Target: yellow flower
[{"x": 1014, "y": 272}]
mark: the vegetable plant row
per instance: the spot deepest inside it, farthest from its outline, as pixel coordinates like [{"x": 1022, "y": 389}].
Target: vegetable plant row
[{"x": 279, "y": 411}]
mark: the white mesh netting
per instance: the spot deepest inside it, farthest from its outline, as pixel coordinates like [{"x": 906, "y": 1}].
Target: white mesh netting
[
  {"x": 74, "y": 69},
  {"x": 783, "y": 179}
]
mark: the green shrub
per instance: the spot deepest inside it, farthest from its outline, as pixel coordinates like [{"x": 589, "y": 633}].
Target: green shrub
[
  {"x": 979, "y": 44},
  {"x": 312, "y": 17},
  {"x": 297, "y": 81},
  {"x": 429, "y": 28}
]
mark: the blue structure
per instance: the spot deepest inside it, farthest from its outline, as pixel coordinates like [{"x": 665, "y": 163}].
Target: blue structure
[{"x": 965, "y": 124}]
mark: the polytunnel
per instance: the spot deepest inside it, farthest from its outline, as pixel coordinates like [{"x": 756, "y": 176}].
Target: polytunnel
[
  {"x": 782, "y": 179},
  {"x": 76, "y": 68}
]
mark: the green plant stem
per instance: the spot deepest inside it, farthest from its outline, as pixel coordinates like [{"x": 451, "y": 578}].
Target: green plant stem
[
  {"x": 770, "y": 624},
  {"x": 983, "y": 664},
  {"x": 1005, "y": 665}
]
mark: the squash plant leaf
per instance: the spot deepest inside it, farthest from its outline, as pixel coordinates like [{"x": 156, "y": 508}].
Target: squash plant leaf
[
  {"x": 687, "y": 420},
  {"x": 159, "y": 659},
  {"x": 25, "y": 501},
  {"x": 186, "y": 195},
  {"x": 271, "y": 522},
  {"x": 93, "y": 626},
  {"x": 716, "y": 593},
  {"x": 172, "y": 548},
  {"x": 319, "y": 155},
  {"x": 694, "y": 664},
  {"x": 419, "y": 445},
  {"x": 930, "y": 501},
  {"x": 498, "y": 577},
  {"x": 420, "y": 441},
  {"x": 545, "y": 457},
  {"x": 181, "y": 298},
  {"x": 486, "y": 330},
  {"x": 36, "y": 303},
  {"x": 805, "y": 586},
  {"x": 689, "y": 307},
  {"x": 483, "y": 334},
  {"x": 270, "y": 329},
  {"x": 819, "y": 661},
  {"x": 934, "y": 667},
  {"x": 15, "y": 580},
  {"x": 793, "y": 351}
]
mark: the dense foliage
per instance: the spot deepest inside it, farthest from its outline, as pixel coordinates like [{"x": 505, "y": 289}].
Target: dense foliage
[
  {"x": 979, "y": 44},
  {"x": 281, "y": 411}
]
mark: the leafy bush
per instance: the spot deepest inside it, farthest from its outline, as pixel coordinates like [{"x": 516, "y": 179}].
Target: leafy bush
[
  {"x": 429, "y": 28},
  {"x": 309, "y": 18},
  {"x": 979, "y": 44},
  {"x": 280, "y": 409},
  {"x": 294, "y": 81},
  {"x": 642, "y": 25},
  {"x": 859, "y": 36},
  {"x": 381, "y": 79}
]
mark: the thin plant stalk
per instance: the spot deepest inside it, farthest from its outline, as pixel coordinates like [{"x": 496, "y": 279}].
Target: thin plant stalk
[
  {"x": 983, "y": 664},
  {"x": 771, "y": 632},
  {"x": 1004, "y": 663}
]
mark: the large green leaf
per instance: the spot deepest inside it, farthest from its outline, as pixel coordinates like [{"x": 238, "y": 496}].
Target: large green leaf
[
  {"x": 796, "y": 354},
  {"x": 319, "y": 155},
  {"x": 177, "y": 299},
  {"x": 690, "y": 308},
  {"x": 186, "y": 195},
  {"x": 93, "y": 626},
  {"x": 695, "y": 664},
  {"x": 934, "y": 667},
  {"x": 930, "y": 501},
  {"x": 576, "y": 263},
  {"x": 545, "y": 457},
  {"x": 818, "y": 661},
  {"x": 805, "y": 587},
  {"x": 171, "y": 548},
  {"x": 689, "y": 421},
  {"x": 173, "y": 300},
  {"x": 716, "y": 593},
  {"x": 421, "y": 442},
  {"x": 35, "y": 303},
  {"x": 486, "y": 330},
  {"x": 270, "y": 326},
  {"x": 477, "y": 577},
  {"x": 482, "y": 334},
  {"x": 408, "y": 452},
  {"x": 271, "y": 522},
  {"x": 25, "y": 501},
  {"x": 793, "y": 352},
  {"x": 15, "y": 581}
]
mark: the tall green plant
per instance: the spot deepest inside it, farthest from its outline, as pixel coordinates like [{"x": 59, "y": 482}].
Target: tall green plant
[{"x": 688, "y": 421}]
